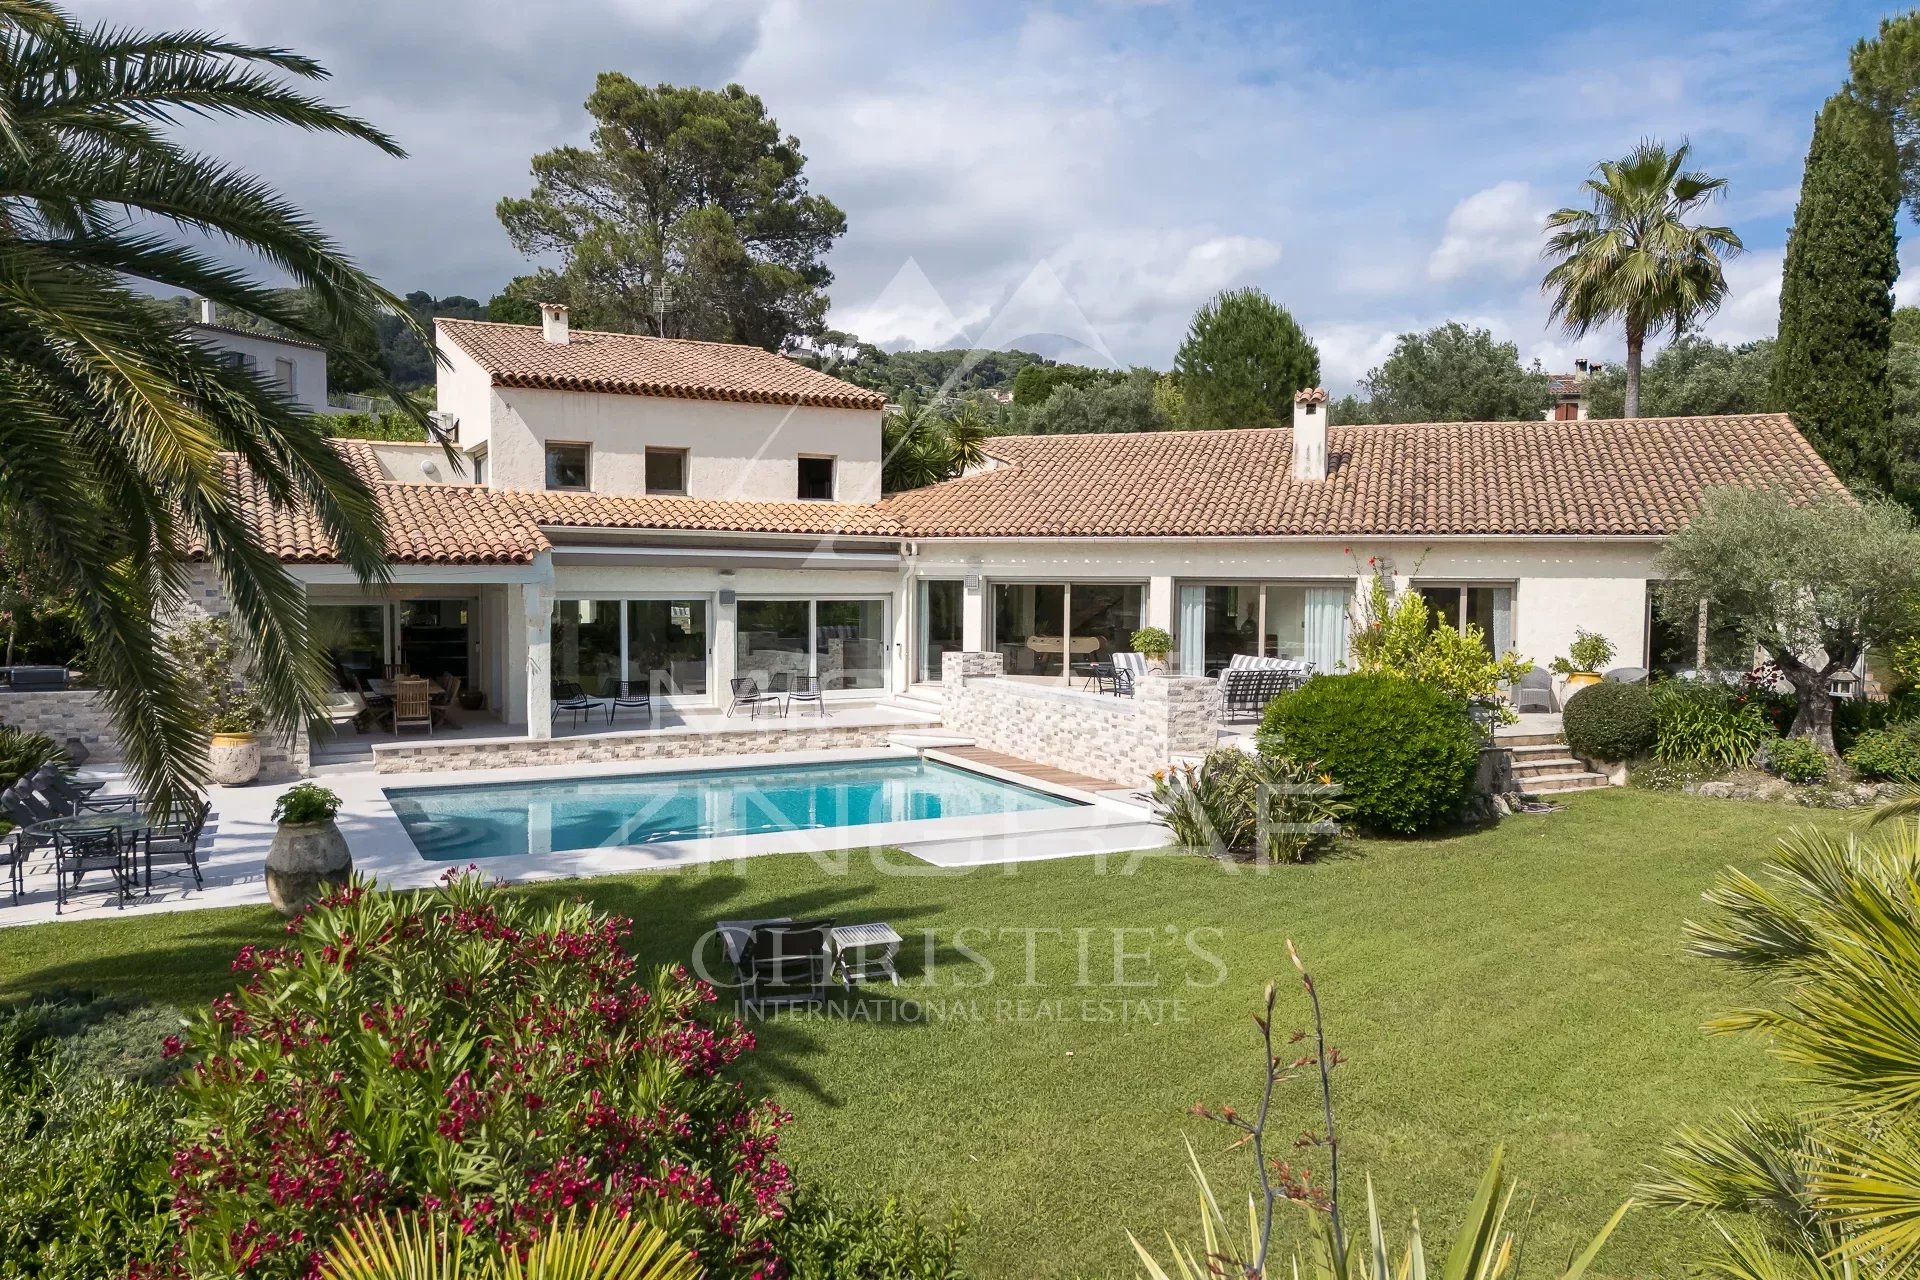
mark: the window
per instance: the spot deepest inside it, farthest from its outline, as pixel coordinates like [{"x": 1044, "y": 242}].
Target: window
[
  {"x": 566, "y": 466},
  {"x": 816, "y": 479},
  {"x": 1049, "y": 629},
  {"x": 941, "y": 605},
  {"x": 235, "y": 360},
  {"x": 843, "y": 642},
  {"x": 1218, "y": 621},
  {"x": 283, "y": 373},
  {"x": 666, "y": 471},
  {"x": 586, "y": 644},
  {"x": 480, "y": 465},
  {"x": 667, "y": 646},
  {"x": 1489, "y": 608}
]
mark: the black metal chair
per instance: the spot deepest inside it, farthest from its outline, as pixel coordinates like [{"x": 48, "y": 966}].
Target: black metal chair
[
  {"x": 786, "y": 962},
  {"x": 175, "y": 838},
  {"x": 746, "y": 692},
  {"x": 804, "y": 689},
  {"x": 1122, "y": 682},
  {"x": 14, "y": 858},
  {"x": 75, "y": 853},
  {"x": 65, "y": 796},
  {"x": 631, "y": 694},
  {"x": 23, "y": 806},
  {"x": 569, "y": 696}
]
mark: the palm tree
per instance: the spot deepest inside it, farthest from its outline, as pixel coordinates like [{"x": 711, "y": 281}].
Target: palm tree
[
  {"x": 120, "y": 436},
  {"x": 914, "y": 444},
  {"x": 1633, "y": 257}
]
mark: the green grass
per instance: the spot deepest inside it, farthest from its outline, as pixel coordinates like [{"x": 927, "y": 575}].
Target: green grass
[{"x": 1524, "y": 985}]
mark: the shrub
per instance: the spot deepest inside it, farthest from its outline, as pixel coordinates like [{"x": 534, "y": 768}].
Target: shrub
[
  {"x": 1398, "y": 636},
  {"x": 1707, "y": 723},
  {"x": 21, "y": 752},
  {"x": 1152, "y": 642},
  {"x": 208, "y": 649},
  {"x": 305, "y": 803},
  {"x": 463, "y": 1051},
  {"x": 1610, "y": 722},
  {"x": 836, "y": 1237},
  {"x": 1892, "y": 753},
  {"x": 1404, "y": 751},
  {"x": 1796, "y": 760},
  {"x": 1236, "y": 805},
  {"x": 83, "y": 1159},
  {"x": 1589, "y": 652}
]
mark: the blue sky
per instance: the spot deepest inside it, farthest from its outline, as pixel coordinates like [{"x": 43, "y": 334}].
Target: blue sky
[{"x": 1079, "y": 177}]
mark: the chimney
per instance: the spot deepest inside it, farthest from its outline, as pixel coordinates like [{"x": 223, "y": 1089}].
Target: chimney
[
  {"x": 1310, "y": 434},
  {"x": 1580, "y": 365},
  {"x": 553, "y": 322},
  {"x": 206, "y": 311}
]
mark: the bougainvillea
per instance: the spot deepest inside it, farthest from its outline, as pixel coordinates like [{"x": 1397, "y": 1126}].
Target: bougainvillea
[{"x": 464, "y": 1051}]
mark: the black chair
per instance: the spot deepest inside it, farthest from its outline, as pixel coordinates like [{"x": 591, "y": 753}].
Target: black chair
[
  {"x": 629, "y": 693},
  {"x": 785, "y": 962},
  {"x": 804, "y": 689},
  {"x": 14, "y": 858},
  {"x": 1122, "y": 682},
  {"x": 175, "y": 838},
  {"x": 1246, "y": 691},
  {"x": 569, "y": 696},
  {"x": 747, "y": 693},
  {"x": 75, "y": 853},
  {"x": 1099, "y": 676},
  {"x": 23, "y": 806},
  {"x": 65, "y": 796}
]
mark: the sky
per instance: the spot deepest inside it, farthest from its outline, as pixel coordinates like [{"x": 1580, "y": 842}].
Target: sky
[{"x": 1077, "y": 178}]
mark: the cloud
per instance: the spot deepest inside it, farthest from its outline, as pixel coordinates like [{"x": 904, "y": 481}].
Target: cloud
[
  {"x": 1752, "y": 308},
  {"x": 1494, "y": 232}
]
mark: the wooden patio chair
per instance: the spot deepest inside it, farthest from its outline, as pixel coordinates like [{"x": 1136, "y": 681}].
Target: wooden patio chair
[{"x": 412, "y": 705}]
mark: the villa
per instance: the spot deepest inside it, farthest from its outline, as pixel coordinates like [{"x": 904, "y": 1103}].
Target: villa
[{"x": 674, "y": 514}]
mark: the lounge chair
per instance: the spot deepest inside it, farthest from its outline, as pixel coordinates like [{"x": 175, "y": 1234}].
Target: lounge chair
[
  {"x": 779, "y": 961},
  {"x": 746, "y": 692},
  {"x": 629, "y": 694},
  {"x": 1134, "y": 664},
  {"x": 1626, "y": 675},
  {"x": 65, "y": 796}
]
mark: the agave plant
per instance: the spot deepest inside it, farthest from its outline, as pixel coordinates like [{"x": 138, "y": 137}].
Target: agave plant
[{"x": 604, "y": 1246}]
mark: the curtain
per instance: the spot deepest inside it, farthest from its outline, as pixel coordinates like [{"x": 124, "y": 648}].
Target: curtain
[
  {"x": 1326, "y": 646},
  {"x": 1193, "y": 631},
  {"x": 1502, "y": 636}
]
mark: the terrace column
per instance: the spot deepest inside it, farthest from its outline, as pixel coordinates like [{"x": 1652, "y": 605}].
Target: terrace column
[
  {"x": 1160, "y": 603},
  {"x": 536, "y": 600}
]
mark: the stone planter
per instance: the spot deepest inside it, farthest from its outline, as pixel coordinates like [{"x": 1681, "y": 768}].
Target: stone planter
[
  {"x": 305, "y": 860},
  {"x": 233, "y": 759}
]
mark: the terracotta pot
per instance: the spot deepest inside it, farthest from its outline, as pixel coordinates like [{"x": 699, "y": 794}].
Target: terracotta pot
[
  {"x": 305, "y": 860},
  {"x": 1581, "y": 679},
  {"x": 233, "y": 759}
]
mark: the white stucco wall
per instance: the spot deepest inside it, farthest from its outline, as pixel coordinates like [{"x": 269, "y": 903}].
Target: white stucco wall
[{"x": 309, "y": 363}]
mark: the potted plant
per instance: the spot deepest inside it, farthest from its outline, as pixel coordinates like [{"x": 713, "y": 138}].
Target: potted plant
[
  {"x": 206, "y": 648},
  {"x": 308, "y": 855},
  {"x": 1586, "y": 658},
  {"x": 1153, "y": 644}
]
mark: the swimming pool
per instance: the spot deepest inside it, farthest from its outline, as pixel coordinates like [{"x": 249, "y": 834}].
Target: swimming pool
[{"x": 495, "y": 820}]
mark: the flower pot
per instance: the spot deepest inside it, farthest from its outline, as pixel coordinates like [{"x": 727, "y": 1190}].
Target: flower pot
[
  {"x": 473, "y": 700},
  {"x": 233, "y": 759},
  {"x": 305, "y": 860},
  {"x": 1580, "y": 680}
]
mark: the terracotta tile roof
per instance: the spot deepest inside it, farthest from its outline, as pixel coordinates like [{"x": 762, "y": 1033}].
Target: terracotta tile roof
[
  {"x": 1310, "y": 395},
  {"x": 1633, "y": 477},
  {"x": 717, "y": 515},
  {"x": 517, "y": 355}
]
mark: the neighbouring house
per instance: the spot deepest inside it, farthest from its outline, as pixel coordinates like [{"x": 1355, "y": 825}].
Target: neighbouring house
[
  {"x": 297, "y": 367},
  {"x": 1569, "y": 392},
  {"x": 675, "y": 514}
]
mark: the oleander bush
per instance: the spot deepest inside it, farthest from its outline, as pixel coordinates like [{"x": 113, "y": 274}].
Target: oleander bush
[
  {"x": 83, "y": 1156},
  {"x": 1710, "y": 724},
  {"x": 1266, "y": 807},
  {"x": 1796, "y": 760},
  {"x": 1403, "y": 751},
  {"x": 464, "y": 1052},
  {"x": 1890, "y": 754},
  {"x": 1610, "y": 722},
  {"x": 21, "y": 752}
]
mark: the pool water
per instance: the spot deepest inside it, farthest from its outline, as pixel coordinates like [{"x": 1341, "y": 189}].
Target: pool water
[{"x": 495, "y": 820}]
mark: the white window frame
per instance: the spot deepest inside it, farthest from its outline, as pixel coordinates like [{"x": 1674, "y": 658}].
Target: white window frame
[
  {"x": 813, "y": 631},
  {"x": 546, "y": 470},
  {"x": 833, "y": 489},
  {"x": 1463, "y": 585},
  {"x": 1066, "y": 609},
  {"x": 918, "y": 636},
  {"x": 710, "y": 599}
]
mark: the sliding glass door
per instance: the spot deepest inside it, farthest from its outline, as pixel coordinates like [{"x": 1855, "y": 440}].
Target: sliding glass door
[
  {"x": 1049, "y": 629},
  {"x": 354, "y": 638},
  {"x": 843, "y": 642},
  {"x": 937, "y": 626},
  {"x": 659, "y": 647},
  {"x": 1215, "y": 622},
  {"x": 1487, "y": 607}
]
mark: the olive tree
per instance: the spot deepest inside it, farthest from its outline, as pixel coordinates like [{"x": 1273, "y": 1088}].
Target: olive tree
[{"x": 1811, "y": 584}]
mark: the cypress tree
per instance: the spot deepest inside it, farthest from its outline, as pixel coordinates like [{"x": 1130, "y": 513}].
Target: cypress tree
[{"x": 1836, "y": 296}]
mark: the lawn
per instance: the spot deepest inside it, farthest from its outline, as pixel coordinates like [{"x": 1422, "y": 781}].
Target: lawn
[{"x": 1523, "y": 986}]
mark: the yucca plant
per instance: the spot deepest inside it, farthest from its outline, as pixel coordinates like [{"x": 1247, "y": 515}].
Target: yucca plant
[
  {"x": 1483, "y": 1247},
  {"x": 603, "y": 1246},
  {"x": 120, "y": 434}
]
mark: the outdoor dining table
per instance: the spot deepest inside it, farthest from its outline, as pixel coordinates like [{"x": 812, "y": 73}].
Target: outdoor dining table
[{"x": 125, "y": 822}]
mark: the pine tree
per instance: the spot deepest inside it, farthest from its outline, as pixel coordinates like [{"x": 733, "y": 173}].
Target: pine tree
[
  {"x": 1243, "y": 358},
  {"x": 1836, "y": 298}
]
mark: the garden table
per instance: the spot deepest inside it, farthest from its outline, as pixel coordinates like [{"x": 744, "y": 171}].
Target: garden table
[{"x": 865, "y": 952}]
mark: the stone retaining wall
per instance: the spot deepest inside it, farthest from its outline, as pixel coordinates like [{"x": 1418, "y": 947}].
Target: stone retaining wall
[
  {"x": 63, "y": 714},
  {"x": 1120, "y": 739},
  {"x": 523, "y": 753}
]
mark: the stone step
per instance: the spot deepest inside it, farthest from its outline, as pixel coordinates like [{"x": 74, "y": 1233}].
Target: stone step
[
  {"x": 1505, "y": 739},
  {"x": 1538, "y": 751},
  {"x": 1581, "y": 781},
  {"x": 1546, "y": 767}
]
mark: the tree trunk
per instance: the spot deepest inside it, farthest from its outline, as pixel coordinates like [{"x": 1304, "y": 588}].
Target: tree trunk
[
  {"x": 1636, "y": 344},
  {"x": 1814, "y": 718}
]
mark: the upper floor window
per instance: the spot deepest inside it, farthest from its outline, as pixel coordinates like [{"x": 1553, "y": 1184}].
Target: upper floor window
[
  {"x": 479, "y": 458},
  {"x": 666, "y": 471},
  {"x": 566, "y": 466},
  {"x": 816, "y": 479},
  {"x": 283, "y": 373}
]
